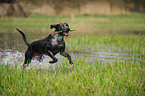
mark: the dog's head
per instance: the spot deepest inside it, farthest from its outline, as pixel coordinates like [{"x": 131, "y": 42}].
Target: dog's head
[{"x": 62, "y": 28}]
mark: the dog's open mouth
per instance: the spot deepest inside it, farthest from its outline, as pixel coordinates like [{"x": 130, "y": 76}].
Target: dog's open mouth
[{"x": 65, "y": 33}]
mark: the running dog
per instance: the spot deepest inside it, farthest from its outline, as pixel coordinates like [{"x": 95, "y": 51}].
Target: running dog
[{"x": 51, "y": 45}]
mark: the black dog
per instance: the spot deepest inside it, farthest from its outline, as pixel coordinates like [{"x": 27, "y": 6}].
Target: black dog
[{"x": 50, "y": 45}]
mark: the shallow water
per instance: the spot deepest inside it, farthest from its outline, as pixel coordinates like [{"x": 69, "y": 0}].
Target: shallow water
[
  {"x": 108, "y": 55},
  {"x": 101, "y": 55},
  {"x": 12, "y": 49}
]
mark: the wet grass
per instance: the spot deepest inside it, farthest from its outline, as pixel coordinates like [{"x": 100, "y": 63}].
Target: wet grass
[
  {"x": 125, "y": 43},
  {"x": 83, "y": 79},
  {"x": 120, "y": 32}
]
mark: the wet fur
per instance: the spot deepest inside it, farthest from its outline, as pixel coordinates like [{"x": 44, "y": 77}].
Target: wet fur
[{"x": 51, "y": 45}]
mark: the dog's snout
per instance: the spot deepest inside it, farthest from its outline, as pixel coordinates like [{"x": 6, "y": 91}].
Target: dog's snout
[{"x": 68, "y": 29}]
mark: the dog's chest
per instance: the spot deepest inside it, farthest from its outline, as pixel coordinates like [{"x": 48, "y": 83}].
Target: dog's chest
[{"x": 57, "y": 42}]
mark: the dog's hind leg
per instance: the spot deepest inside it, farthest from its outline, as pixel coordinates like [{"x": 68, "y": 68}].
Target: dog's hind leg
[
  {"x": 26, "y": 62},
  {"x": 28, "y": 58}
]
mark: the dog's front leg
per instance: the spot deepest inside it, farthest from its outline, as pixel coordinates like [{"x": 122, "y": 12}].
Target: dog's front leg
[
  {"x": 49, "y": 53},
  {"x": 65, "y": 54}
]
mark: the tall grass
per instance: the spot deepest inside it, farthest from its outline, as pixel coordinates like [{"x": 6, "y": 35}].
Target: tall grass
[
  {"x": 93, "y": 78},
  {"x": 83, "y": 79},
  {"x": 128, "y": 43}
]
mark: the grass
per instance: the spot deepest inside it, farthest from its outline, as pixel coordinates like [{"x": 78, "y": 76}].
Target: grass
[
  {"x": 128, "y": 43},
  {"x": 83, "y": 79},
  {"x": 82, "y": 23},
  {"x": 120, "y": 32},
  {"x": 94, "y": 78}
]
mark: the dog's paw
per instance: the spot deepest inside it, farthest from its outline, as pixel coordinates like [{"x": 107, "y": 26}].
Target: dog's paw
[
  {"x": 52, "y": 61},
  {"x": 25, "y": 65}
]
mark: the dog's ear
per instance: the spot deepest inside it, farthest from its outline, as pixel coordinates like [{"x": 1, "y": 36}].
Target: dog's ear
[{"x": 53, "y": 26}]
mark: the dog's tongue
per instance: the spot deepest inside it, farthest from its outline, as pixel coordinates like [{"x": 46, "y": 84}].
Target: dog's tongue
[{"x": 65, "y": 33}]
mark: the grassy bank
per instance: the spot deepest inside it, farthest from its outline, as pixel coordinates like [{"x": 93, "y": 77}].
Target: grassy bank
[
  {"x": 82, "y": 23},
  {"x": 83, "y": 79},
  {"x": 128, "y": 43}
]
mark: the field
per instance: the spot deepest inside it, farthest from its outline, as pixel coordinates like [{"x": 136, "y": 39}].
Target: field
[
  {"x": 124, "y": 33},
  {"x": 83, "y": 24}
]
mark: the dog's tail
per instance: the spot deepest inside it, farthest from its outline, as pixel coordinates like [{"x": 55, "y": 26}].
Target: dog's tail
[{"x": 24, "y": 37}]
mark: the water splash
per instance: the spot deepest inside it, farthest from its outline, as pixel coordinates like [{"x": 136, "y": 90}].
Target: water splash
[
  {"x": 12, "y": 58},
  {"x": 101, "y": 55},
  {"x": 17, "y": 58}
]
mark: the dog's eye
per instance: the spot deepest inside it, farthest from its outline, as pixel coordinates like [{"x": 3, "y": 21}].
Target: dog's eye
[{"x": 66, "y": 24}]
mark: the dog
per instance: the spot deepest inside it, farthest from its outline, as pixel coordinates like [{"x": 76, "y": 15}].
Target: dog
[{"x": 51, "y": 45}]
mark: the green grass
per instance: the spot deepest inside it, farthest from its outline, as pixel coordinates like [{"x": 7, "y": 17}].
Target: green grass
[
  {"x": 82, "y": 23},
  {"x": 126, "y": 43},
  {"x": 84, "y": 79},
  {"x": 124, "y": 33}
]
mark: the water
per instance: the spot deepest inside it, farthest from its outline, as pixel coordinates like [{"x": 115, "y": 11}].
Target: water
[
  {"x": 107, "y": 55},
  {"x": 12, "y": 49},
  {"x": 11, "y": 57}
]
